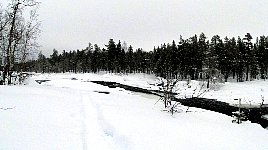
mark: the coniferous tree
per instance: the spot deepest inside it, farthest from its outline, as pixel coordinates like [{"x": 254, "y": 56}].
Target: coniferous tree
[
  {"x": 194, "y": 56},
  {"x": 248, "y": 54},
  {"x": 104, "y": 60},
  {"x": 156, "y": 57},
  {"x": 111, "y": 48},
  {"x": 41, "y": 63},
  {"x": 54, "y": 59},
  {"x": 262, "y": 55},
  {"x": 254, "y": 63},
  {"x": 240, "y": 60},
  {"x": 122, "y": 60},
  {"x": 225, "y": 59},
  {"x": 130, "y": 60},
  {"x": 96, "y": 59},
  {"x": 117, "y": 54},
  {"x": 233, "y": 53},
  {"x": 202, "y": 49}
]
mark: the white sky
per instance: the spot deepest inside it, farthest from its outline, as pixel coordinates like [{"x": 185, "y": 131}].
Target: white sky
[{"x": 72, "y": 24}]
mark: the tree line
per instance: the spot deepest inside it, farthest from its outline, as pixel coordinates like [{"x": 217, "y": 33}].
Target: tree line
[{"x": 195, "y": 58}]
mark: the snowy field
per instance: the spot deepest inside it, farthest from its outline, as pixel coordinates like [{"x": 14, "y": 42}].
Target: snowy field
[{"x": 71, "y": 113}]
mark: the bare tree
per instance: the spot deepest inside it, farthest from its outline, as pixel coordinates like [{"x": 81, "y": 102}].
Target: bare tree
[
  {"x": 168, "y": 85},
  {"x": 19, "y": 33},
  {"x": 32, "y": 30},
  {"x": 4, "y": 19}
]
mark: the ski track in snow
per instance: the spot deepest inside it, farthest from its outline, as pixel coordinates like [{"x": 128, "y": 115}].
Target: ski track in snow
[
  {"x": 108, "y": 132},
  {"x": 83, "y": 123}
]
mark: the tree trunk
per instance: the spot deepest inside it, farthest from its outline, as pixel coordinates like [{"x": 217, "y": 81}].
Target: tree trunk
[
  {"x": 247, "y": 72},
  {"x": 10, "y": 40},
  {"x": 208, "y": 83}
]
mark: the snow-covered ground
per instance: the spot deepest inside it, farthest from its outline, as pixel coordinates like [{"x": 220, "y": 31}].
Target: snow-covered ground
[
  {"x": 250, "y": 92},
  {"x": 69, "y": 112}
]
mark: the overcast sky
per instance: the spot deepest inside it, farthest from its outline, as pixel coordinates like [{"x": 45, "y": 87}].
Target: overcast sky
[{"x": 72, "y": 24}]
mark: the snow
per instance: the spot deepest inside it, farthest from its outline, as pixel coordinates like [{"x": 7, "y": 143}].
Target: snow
[
  {"x": 41, "y": 118},
  {"x": 250, "y": 92},
  {"x": 68, "y": 113}
]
